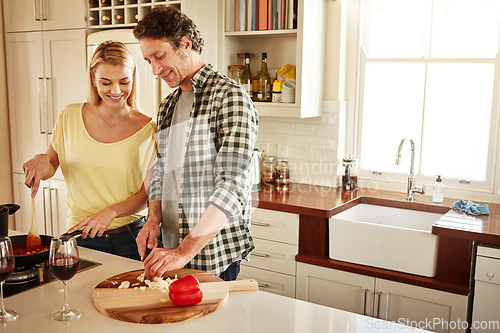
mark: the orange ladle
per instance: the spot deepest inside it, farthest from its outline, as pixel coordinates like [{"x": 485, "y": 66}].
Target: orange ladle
[{"x": 33, "y": 240}]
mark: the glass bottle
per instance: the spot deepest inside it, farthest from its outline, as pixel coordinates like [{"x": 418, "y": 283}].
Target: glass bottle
[
  {"x": 438, "y": 190},
  {"x": 282, "y": 177},
  {"x": 264, "y": 89},
  {"x": 246, "y": 77},
  {"x": 268, "y": 170},
  {"x": 235, "y": 72}
]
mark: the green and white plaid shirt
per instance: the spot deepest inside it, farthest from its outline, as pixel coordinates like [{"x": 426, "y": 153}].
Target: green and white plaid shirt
[{"x": 220, "y": 138}]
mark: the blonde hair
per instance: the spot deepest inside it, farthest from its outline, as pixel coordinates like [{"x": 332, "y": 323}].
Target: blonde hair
[{"x": 113, "y": 53}]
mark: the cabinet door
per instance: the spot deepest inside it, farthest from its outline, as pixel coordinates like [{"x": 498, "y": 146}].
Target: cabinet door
[
  {"x": 57, "y": 203},
  {"x": 486, "y": 307},
  {"x": 65, "y": 79},
  {"x": 337, "y": 289},
  {"x": 429, "y": 309},
  {"x": 25, "y": 77},
  {"x": 63, "y": 14},
  {"x": 22, "y": 15}
]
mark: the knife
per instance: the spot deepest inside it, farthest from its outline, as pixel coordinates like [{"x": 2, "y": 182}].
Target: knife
[{"x": 75, "y": 233}]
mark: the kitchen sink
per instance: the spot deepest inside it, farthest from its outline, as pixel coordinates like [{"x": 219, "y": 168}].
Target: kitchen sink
[{"x": 378, "y": 233}]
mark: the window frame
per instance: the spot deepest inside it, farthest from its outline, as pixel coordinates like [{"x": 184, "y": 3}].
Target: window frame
[{"x": 488, "y": 190}]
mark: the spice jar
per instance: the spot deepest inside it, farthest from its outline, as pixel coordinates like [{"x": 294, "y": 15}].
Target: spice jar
[
  {"x": 236, "y": 72},
  {"x": 268, "y": 169},
  {"x": 282, "y": 176}
]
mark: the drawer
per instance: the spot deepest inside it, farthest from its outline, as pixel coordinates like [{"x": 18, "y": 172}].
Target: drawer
[
  {"x": 488, "y": 270},
  {"x": 276, "y": 226},
  {"x": 272, "y": 282},
  {"x": 488, "y": 251},
  {"x": 273, "y": 256}
]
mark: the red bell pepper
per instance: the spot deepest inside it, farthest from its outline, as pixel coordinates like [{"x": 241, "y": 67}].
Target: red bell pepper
[{"x": 185, "y": 291}]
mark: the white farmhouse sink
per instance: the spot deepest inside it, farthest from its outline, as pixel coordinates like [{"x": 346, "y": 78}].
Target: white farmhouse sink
[{"x": 386, "y": 237}]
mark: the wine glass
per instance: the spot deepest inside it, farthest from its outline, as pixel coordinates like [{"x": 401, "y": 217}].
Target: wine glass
[
  {"x": 64, "y": 262},
  {"x": 6, "y": 268}
]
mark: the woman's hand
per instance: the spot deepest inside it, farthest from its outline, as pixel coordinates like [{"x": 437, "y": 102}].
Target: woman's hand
[
  {"x": 95, "y": 224},
  {"x": 35, "y": 170},
  {"x": 40, "y": 167}
]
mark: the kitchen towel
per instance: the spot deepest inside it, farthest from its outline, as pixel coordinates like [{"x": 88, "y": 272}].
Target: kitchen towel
[{"x": 471, "y": 207}]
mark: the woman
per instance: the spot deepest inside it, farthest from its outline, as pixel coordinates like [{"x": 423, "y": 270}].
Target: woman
[{"x": 106, "y": 149}]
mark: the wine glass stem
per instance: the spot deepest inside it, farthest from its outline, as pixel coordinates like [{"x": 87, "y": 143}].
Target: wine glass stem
[
  {"x": 66, "y": 306},
  {"x": 2, "y": 310}
]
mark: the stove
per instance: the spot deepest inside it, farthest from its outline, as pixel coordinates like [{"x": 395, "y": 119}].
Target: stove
[{"x": 27, "y": 277}]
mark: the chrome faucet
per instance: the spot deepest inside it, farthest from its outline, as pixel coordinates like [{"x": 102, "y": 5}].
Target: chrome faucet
[{"x": 411, "y": 188}]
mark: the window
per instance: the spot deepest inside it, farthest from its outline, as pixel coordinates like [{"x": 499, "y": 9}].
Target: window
[{"x": 429, "y": 70}]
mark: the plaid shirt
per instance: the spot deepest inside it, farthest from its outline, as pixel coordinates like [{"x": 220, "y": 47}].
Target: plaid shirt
[{"x": 220, "y": 138}]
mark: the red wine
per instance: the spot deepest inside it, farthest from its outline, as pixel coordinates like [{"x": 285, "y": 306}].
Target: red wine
[
  {"x": 5, "y": 272},
  {"x": 64, "y": 268}
]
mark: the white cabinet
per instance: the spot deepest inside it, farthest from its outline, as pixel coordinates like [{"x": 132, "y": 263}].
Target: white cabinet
[
  {"x": 389, "y": 300},
  {"x": 31, "y": 15},
  {"x": 486, "y": 305},
  {"x": 272, "y": 262},
  {"x": 50, "y": 206},
  {"x": 45, "y": 72},
  {"x": 302, "y": 47}
]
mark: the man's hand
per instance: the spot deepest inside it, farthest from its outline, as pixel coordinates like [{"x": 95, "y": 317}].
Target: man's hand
[
  {"x": 161, "y": 260},
  {"x": 147, "y": 237}
]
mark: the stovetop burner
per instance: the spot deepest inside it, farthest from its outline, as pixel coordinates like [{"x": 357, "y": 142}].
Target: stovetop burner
[{"x": 27, "y": 277}]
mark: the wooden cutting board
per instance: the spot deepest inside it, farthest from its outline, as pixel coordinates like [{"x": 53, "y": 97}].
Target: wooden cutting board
[{"x": 152, "y": 306}]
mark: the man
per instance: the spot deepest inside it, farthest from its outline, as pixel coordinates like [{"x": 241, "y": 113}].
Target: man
[{"x": 201, "y": 187}]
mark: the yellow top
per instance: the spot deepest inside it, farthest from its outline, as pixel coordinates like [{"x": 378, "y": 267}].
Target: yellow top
[{"x": 100, "y": 174}]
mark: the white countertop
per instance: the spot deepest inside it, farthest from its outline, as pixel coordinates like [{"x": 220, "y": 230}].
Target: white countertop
[{"x": 242, "y": 312}]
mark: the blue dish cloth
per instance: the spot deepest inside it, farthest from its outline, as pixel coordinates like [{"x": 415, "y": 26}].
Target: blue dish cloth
[{"x": 471, "y": 207}]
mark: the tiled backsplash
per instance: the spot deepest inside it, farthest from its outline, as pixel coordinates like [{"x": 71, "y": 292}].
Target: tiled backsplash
[{"x": 314, "y": 151}]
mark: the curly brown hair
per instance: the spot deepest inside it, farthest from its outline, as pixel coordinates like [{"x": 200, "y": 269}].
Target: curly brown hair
[{"x": 168, "y": 22}]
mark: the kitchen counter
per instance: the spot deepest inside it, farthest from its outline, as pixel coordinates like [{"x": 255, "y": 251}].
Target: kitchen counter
[
  {"x": 456, "y": 230},
  {"x": 242, "y": 312},
  {"x": 320, "y": 201}
]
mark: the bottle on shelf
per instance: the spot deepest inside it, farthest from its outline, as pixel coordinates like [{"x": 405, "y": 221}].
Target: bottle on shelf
[
  {"x": 93, "y": 19},
  {"x": 105, "y": 18},
  {"x": 438, "y": 190},
  {"x": 264, "y": 88},
  {"x": 93, "y": 3},
  {"x": 246, "y": 77},
  {"x": 119, "y": 18},
  {"x": 106, "y": 2}
]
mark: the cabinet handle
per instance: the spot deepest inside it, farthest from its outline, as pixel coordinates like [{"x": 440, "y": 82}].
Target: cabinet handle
[
  {"x": 44, "y": 18},
  {"x": 364, "y": 301},
  {"x": 261, "y": 224},
  {"x": 490, "y": 275},
  {"x": 35, "y": 5},
  {"x": 261, "y": 255},
  {"x": 54, "y": 210},
  {"x": 49, "y": 106},
  {"x": 379, "y": 295},
  {"x": 41, "y": 99},
  {"x": 46, "y": 209},
  {"x": 263, "y": 285}
]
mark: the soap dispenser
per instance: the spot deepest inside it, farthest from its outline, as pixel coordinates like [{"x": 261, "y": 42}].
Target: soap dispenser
[{"x": 438, "y": 190}]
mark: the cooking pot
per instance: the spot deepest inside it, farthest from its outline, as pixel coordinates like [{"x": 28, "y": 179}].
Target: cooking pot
[
  {"x": 5, "y": 211},
  {"x": 30, "y": 259}
]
